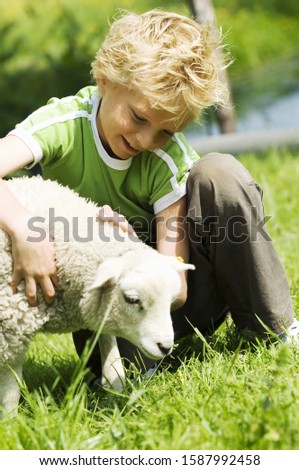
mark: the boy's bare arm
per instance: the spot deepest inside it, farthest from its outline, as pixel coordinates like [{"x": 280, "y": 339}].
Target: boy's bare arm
[
  {"x": 172, "y": 239},
  {"x": 33, "y": 262},
  {"x": 14, "y": 154}
]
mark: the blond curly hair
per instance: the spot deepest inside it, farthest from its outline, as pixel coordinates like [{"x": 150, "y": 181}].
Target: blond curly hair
[{"x": 172, "y": 60}]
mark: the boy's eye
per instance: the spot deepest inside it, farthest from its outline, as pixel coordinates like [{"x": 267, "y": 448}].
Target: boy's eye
[
  {"x": 141, "y": 120},
  {"x": 137, "y": 118},
  {"x": 168, "y": 133}
]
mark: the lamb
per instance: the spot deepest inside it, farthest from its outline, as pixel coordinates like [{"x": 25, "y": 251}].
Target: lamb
[{"x": 110, "y": 283}]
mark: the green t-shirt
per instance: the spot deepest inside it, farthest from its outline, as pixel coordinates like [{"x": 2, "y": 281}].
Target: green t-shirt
[{"x": 63, "y": 138}]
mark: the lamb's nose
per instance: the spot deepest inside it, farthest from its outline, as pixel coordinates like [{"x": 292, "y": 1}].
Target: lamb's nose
[{"x": 165, "y": 350}]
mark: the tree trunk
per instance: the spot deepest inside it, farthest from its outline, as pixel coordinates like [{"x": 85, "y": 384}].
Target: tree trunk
[{"x": 203, "y": 11}]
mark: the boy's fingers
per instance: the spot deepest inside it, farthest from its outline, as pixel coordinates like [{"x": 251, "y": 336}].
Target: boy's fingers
[
  {"x": 126, "y": 227},
  {"x": 14, "y": 283},
  {"x": 30, "y": 290},
  {"x": 107, "y": 214},
  {"x": 55, "y": 280},
  {"x": 47, "y": 287}
]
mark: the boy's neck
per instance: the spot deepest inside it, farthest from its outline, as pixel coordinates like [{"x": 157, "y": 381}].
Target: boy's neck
[
  {"x": 108, "y": 150},
  {"x": 105, "y": 145}
]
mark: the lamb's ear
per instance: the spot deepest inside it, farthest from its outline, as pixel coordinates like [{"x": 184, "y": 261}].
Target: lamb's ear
[
  {"x": 178, "y": 264},
  {"x": 108, "y": 271}
]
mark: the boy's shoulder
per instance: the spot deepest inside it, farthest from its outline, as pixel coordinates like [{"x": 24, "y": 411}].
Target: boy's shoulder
[
  {"x": 171, "y": 162},
  {"x": 87, "y": 92},
  {"x": 83, "y": 99},
  {"x": 177, "y": 147}
]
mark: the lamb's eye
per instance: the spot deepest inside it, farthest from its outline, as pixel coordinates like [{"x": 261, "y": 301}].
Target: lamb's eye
[{"x": 132, "y": 299}]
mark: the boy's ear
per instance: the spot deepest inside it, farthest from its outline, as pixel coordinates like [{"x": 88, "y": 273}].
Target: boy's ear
[{"x": 102, "y": 82}]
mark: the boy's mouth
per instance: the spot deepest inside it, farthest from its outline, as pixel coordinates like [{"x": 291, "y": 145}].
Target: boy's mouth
[{"x": 131, "y": 150}]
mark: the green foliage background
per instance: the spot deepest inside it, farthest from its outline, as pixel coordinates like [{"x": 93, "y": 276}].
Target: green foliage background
[{"x": 46, "y": 47}]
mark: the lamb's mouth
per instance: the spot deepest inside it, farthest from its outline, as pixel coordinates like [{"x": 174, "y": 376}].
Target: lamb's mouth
[{"x": 149, "y": 354}]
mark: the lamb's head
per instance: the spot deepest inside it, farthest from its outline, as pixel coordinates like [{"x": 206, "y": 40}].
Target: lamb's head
[{"x": 140, "y": 287}]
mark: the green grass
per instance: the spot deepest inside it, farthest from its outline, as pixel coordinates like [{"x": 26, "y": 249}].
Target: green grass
[
  {"x": 221, "y": 394},
  {"x": 278, "y": 173}
]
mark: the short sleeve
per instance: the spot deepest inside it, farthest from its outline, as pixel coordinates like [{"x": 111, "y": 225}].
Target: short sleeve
[
  {"x": 49, "y": 131},
  {"x": 168, "y": 181}
]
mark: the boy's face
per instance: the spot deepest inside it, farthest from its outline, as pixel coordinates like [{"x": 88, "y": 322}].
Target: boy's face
[{"x": 127, "y": 124}]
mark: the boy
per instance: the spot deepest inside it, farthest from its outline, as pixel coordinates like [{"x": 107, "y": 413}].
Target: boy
[{"x": 120, "y": 144}]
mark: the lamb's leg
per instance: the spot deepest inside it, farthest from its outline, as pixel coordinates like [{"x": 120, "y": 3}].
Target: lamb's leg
[
  {"x": 9, "y": 388},
  {"x": 113, "y": 373}
]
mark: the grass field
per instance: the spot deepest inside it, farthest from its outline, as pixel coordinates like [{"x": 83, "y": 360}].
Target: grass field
[{"x": 223, "y": 393}]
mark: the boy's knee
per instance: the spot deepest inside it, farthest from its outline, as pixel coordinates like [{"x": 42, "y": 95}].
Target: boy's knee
[
  {"x": 220, "y": 175},
  {"x": 218, "y": 168},
  {"x": 220, "y": 185}
]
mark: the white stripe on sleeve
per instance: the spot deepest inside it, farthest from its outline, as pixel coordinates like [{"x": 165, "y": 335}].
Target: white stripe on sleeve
[{"x": 31, "y": 143}]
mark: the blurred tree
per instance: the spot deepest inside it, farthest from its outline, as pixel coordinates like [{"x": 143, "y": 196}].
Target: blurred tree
[{"x": 203, "y": 11}]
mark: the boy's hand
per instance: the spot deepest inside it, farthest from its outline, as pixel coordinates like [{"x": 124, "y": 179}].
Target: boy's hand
[
  {"x": 107, "y": 214},
  {"x": 34, "y": 262}
]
